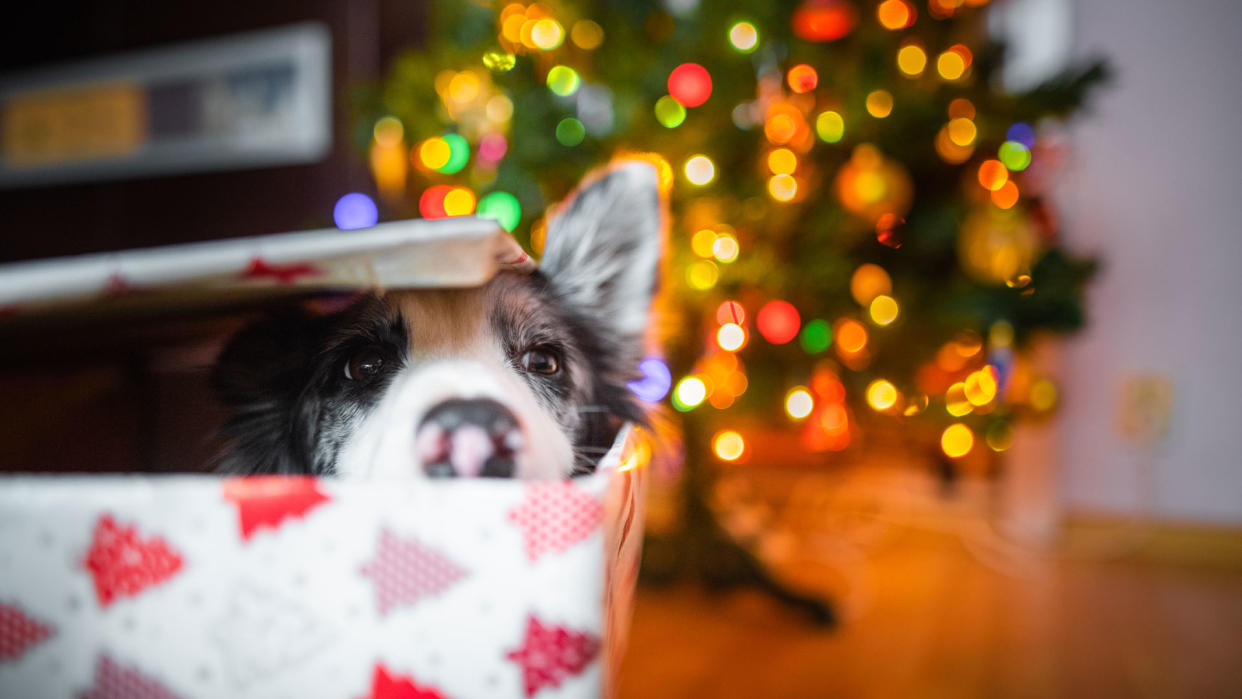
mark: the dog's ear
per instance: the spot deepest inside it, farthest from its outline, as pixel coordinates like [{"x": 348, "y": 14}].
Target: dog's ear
[
  {"x": 259, "y": 376},
  {"x": 602, "y": 252}
]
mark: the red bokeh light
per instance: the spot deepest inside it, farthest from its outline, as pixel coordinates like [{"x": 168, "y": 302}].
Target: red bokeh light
[
  {"x": 690, "y": 84},
  {"x": 778, "y": 322},
  {"x": 431, "y": 203},
  {"x": 824, "y": 20}
]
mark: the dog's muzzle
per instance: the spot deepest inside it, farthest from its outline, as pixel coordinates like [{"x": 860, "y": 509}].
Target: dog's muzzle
[{"x": 469, "y": 438}]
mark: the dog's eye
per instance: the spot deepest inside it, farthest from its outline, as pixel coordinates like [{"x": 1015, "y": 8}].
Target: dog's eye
[
  {"x": 541, "y": 361},
  {"x": 365, "y": 364}
]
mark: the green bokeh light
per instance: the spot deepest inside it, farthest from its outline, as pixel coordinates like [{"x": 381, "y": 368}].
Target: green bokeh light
[
  {"x": 459, "y": 154},
  {"x": 816, "y": 336},
  {"x": 830, "y": 126},
  {"x": 570, "y": 132},
  {"x": 501, "y": 207},
  {"x": 1014, "y": 155},
  {"x": 669, "y": 112},
  {"x": 563, "y": 80}
]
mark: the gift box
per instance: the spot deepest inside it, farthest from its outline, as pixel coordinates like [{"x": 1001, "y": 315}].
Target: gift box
[{"x": 204, "y": 586}]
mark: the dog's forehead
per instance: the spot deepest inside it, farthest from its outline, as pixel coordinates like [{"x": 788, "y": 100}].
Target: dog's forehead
[{"x": 455, "y": 320}]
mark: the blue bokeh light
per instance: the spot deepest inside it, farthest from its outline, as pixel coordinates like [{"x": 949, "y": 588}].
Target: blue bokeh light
[
  {"x": 355, "y": 210},
  {"x": 655, "y": 383},
  {"x": 1022, "y": 133}
]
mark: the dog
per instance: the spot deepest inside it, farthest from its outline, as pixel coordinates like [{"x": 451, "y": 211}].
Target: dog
[{"x": 524, "y": 377}]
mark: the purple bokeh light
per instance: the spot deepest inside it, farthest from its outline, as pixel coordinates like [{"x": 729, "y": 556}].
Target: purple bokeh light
[
  {"x": 355, "y": 210},
  {"x": 655, "y": 383}
]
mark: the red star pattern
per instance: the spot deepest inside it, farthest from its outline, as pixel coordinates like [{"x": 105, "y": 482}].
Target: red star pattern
[
  {"x": 267, "y": 501},
  {"x": 124, "y": 565},
  {"x": 551, "y": 654},
  {"x": 554, "y": 516},
  {"x": 404, "y": 571},
  {"x": 283, "y": 274},
  {"x": 19, "y": 632},
  {"x": 385, "y": 686},
  {"x": 112, "y": 681}
]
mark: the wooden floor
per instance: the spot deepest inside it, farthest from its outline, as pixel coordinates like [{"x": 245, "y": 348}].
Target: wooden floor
[{"x": 932, "y": 617}]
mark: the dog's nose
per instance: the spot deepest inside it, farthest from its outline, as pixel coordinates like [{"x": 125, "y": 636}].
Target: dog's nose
[{"x": 468, "y": 437}]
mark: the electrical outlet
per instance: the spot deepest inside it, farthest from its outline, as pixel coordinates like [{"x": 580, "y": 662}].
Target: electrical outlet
[{"x": 1146, "y": 405}]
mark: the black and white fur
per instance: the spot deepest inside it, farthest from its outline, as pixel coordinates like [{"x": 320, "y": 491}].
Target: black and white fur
[{"x": 350, "y": 393}]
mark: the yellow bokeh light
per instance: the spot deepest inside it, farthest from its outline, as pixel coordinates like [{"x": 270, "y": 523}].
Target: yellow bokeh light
[
  {"x": 464, "y": 87},
  {"x": 703, "y": 243},
  {"x": 459, "y": 201},
  {"x": 434, "y": 153},
  {"x": 912, "y": 60},
  {"x": 728, "y": 445},
  {"x": 883, "y": 309},
  {"x": 702, "y": 275},
  {"x": 730, "y": 337},
  {"x": 881, "y": 394},
  {"x": 743, "y": 36},
  {"x": 700, "y": 170},
  {"x": 993, "y": 175},
  {"x": 1006, "y": 196},
  {"x": 962, "y": 131},
  {"x": 499, "y": 109},
  {"x": 691, "y": 391},
  {"x": 868, "y": 282},
  {"x": 951, "y": 65},
  {"x": 798, "y": 402},
  {"x": 783, "y": 187},
  {"x": 980, "y": 386},
  {"x": 782, "y": 161},
  {"x": 999, "y": 436},
  {"x": 880, "y": 103},
  {"x": 949, "y": 151},
  {"x": 388, "y": 131},
  {"x": 895, "y": 14},
  {"x": 725, "y": 248},
  {"x": 586, "y": 35},
  {"x": 1043, "y": 395},
  {"x": 547, "y": 34},
  {"x": 955, "y": 402},
  {"x": 957, "y": 440},
  {"x": 511, "y": 27}
]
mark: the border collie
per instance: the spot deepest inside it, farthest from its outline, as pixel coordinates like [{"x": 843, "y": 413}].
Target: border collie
[{"x": 523, "y": 377}]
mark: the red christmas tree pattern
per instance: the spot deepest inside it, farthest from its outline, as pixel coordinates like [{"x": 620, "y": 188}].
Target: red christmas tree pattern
[
  {"x": 19, "y": 633},
  {"x": 385, "y": 686},
  {"x": 404, "y": 571},
  {"x": 550, "y": 654},
  {"x": 554, "y": 516},
  {"x": 283, "y": 274},
  {"x": 267, "y": 501},
  {"x": 112, "y": 681},
  {"x": 124, "y": 565}
]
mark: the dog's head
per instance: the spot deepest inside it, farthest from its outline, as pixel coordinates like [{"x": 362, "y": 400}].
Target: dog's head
[{"x": 525, "y": 376}]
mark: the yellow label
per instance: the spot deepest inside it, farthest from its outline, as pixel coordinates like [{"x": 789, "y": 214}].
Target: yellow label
[{"x": 68, "y": 125}]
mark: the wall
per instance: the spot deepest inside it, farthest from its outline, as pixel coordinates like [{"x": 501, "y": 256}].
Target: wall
[{"x": 1152, "y": 185}]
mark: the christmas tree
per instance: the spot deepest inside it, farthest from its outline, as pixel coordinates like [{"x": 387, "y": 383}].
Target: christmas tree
[{"x": 859, "y": 235}]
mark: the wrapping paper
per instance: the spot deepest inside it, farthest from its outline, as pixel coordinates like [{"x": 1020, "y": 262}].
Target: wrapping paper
[{"x": 196, "y": 586}]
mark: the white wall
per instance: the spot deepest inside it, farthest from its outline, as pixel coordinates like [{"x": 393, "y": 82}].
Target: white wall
[{"x": 1153, "y": 185}]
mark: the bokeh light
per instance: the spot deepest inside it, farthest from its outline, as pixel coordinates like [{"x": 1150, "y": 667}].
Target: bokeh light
[
  {"x": 459, "y": 201},
  {"x": 730, "y": 312},
  {"x": 728, "y": 445},
  {"x": 881, "y": 395},
  {"x": 802, "y": 78},
  {"x": 957, "y": 440},
  {"x": 655, "y": 381},
  {"x": 993, "y": 175},
  {"x": 700, "y": 170},
  {"x": 895, "y": 14},
  {"x": 782, "y": 161},
  {"x": 501, "y": 207},
  {"x": 388, "y": 131},
  {"x": 880, "y": 103},
  {"x": 702, "y": 275},
  {"x": 962, "y": 131},
  {"x": 499, "y": 61},
  {"x": 459, "y": 154},
  {"x": 869, "y": 281},
  {"x": 851, "y": 337},
  {"x": 798, "y": 402},
  {"x": 586, "y": 35},
  {"x": 883, "y": 309},
  {"x": 570, "y": 132},
  {"x": 980, "y": 386},
  {"x": 563, "y": 80},
  {"x": 431, "y": 202},
  {"x": 703, "y": 243},
  {"x": 955, "y": 402},
  {"x": 725, "y": 248},
  {"x": 434, "y": 153},
  {"x": 782, "y": 187},
  {"x": 689, "y": 394},
  {"x": 1021, "y": 133},
  {"x": 547, "y": 34},
  {"x": 355, "y": 210},
  {"x": 1006, "y": 196},
  {"x": 731, "y": 337},
  {"x": 816, "y": 336},
  {"x": 1014, "y": 155},
  {"x": 778, "y": 321},
  {"x": 1043, "y": 395},
  {"x": 744, "y": 37},
  {"x": 912, "y": 60},
  {"x": 953, "y": 62},
  {"x": 829, "y": 126},
  {"x": 999, "y": 436},
  {"x": 961, "y": 108},
  {"x": 669, "y": 112},
  {"x": 690, "y": 84},
  {"x": 823, "y": 21},
  {"x": 492, "y": 148}
]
